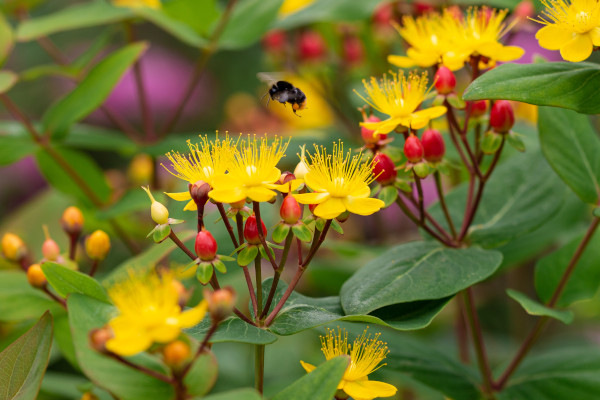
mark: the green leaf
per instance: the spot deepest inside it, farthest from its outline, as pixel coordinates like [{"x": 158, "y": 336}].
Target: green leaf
[
  {"x": 302, "y": 232},
  {"x": 204, "y": 272},
  {"x": 320, "y": 384},
  {"x": 247, "y": 255},
  {"x": 509, "y": 207},
  {"x": 91, "y": 92},
  {"x": 161, "y": 233},
  {"x": 83, "y": 165},
  {"x": 86, "y": 314},
  {"x": 491, "y": 142},
  {"x": 422, "y": 362},
  {"x": 329, "y": 11},
  {"x": 583, "y": 282},
  {"x": 533, "y": 307},
  {"x": 249, "y": 20},
  {"x": 416, "y": 271},
  {"x": 219, "y": 266},
  {"x": 23, "y": 363},
  {"x": 280, "y": 232},
  {"x": 20, "y": 301},
  {"x": 6, "y": 39},
  {"x": 571, "y": 146},
  {"x": 335, "y": 225},
  {"x": 239, "y": 394},
  {"x": 75, "y": 17},
  {"x": 557, "y": 84},
  {"x": 64, "y": 339},
  {"x": 178, "y": 29},
  {"x": 93, "y": 138},
  {"x": 202, "y": 376},
  {"x": 388, "y": 195},
  {"x": 66, "y": 281},
  {"x": 40, "y": 71},
  {"x": 301, "y": 312},
  {"x": 596, "y": 212},
  {"x": 15, "y": 146},
  {"x": 197, "y": 14},
  {"x": 232, "y": 329},
  {"x": 563, "y": 373},
  {"x": 7, "y": 80},
  {"x": 515, "y": 141}
]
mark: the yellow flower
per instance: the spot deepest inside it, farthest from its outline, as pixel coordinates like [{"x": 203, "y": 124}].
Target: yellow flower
[
  {"x": 365, "y": 355},
  {"x": 571, "y": 27},
  {"x": 429, "y": 43},
  {"x": 399, "y": 98},
  {"x": 339, "y": 183},
  {"x": 149, "y": 312},
  {"x": 291, "y": 6},
  {"x": 252, "y": 173},
  {"x": 204, "y": 162},
  {"x": 137, "y": 3}
]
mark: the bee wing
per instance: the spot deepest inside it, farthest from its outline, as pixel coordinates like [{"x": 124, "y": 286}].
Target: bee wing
[{"x": 270, "y": 78}]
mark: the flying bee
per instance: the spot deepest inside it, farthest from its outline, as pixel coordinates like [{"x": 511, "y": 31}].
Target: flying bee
[{"x": 283, "y": 92}]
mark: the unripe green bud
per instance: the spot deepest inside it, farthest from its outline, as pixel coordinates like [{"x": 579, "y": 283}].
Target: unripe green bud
[{"x": 158, "y": 211}]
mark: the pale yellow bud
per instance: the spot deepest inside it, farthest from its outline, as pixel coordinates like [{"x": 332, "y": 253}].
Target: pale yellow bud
[
  {"x": 302, "y": 167},
  {"x": 13, "y": 247},
  {"x": 158, "y": 211}
]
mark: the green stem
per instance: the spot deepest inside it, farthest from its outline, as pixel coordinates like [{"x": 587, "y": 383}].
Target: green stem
[
  {"x": 259, "y": 367},
  {"x": 278, "y": 271},
  {"x": 259, "y": 294},
  {"x": 440, "y": 190}
]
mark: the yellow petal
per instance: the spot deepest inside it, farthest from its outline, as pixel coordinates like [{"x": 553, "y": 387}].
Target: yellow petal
[
  {"x": 595, "y": 36},
  {"x": 164, "y": 333},
  {"x": 273, "y": 176},
  {"x": 362, "y": 206},
  {"x": 227, "y": 195},
  {"x": 552, "y": 37},
  {"x": 193, "y": 316},
  {"x": 454, "y": 61},
  {"x": 330, "y": 208},
  {"x": 421, "y": 118},
  {"x": 285, "y": 188},
  {"x": 578, "y": 49},
  {"x": 129, "y": 345},
  {"x": 260, "y": 193},
  {"x": 385, "y": 126},
  {"x": 311, "y": 198},
  {"x": 226, "y": 181},
  {"x": 180, "y": 196},
  {"x": 190, "y": 206},
  {"x": 423, "y": 59},
  {"x": 307, "y": 367},
  {"x": 367, "y": 390},
  {"x": 363, "y": 191},
  {"x": 508, "y": 53},
  {"x": 401, "y": 61}
]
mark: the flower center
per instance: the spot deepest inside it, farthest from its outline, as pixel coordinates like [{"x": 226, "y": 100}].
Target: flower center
[{"x": 208, "y": 171}]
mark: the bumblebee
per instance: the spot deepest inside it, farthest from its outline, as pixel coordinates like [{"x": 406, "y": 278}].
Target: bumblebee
[{"x": 283, "y": 92}]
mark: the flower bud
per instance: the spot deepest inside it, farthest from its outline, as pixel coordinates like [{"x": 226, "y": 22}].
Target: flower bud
[
  {"x": 36, "y": 276},
  {"x": 384, "y": 169},
  {"x": 183, "y": 295},
  {"x": 286, "y": 177},
  {"x": 89, "y": 396},
  {"x": 413, "y": 149},
  {"x": 97, "y": 245},
  {"x": 422, "y": 8},
  {"x": 141, "y": 169},
  {"x": 199, "y": 192},
  {"x": 50, "y": 249},
  {"x": 176, "y": 353},
  {"x": 433, "y": 145},
  {"x": 353, "y": 50},
  {"x": 99, "y": 337},
  {"x": 159, "y": 212},
  {"x": 290, "y": 210},
  {"x": 311, "y": 45},
  {"x": 251, "y": 230},
  {"x": 343, "y": 217},
  {"x": 384, "y": 13},
  {"x": 13, "y": 247},
  {"x": 238, "y": 205},
  {"x": 445, "y": 81},
  {"x": 220, "y": 302},
  {"x": 72, "y": 221},
  {"x": 477, "y": 108},
  {"x": 274, "y": 41},
  {"x": 302, "y": 168},
  {"x": 206, "y": 245},
  {"x": 524, "y": 10},
  {"x": 502, "y": 116},
  {"x": 367, "y": 134}
]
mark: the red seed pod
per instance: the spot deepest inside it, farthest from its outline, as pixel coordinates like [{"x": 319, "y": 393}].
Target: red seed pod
[
  {"x": 290, "y": 210},
  {"x": 502, "y": 116},
  {"x": 525, "y": 9},
  {"x": 384, "y": 169},
  {"x": 433, "y": 145},
  {"x": 251, "y": 230},
  {"x": 311, "y": 45},
  {"x": 205, "y": 246},
  {"x": 286, "y": 177},
  {"x": 445, "y": 81},
  {"x": 383, "y": 14},
  {"x": 413, "y": 149},
  {"x": 274, "y": 41},
  {"x": 353, "y": 50},
  {"x": 50, "y": 249},
  {"x": 477, "y": 108},
  {"x": 367, "y": 134},
  {"x": 423, "y": 8}
]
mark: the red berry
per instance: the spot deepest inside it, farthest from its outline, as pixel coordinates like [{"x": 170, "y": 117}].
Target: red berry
[
  {"x": 477, "y": 108},
  {"x": 367, "y": 134},
  {"x": 353, "y": 50},
  {"x": 290, "y": 210},
  {"x": 433, "y": 145},
  {"x": 423, "y": 8},
  {"x": 50, "y": 250},
  {"x": 445, "y": 81},
  {"x": 502, "y": 116},
  {"x": 384, "y": 169},
  {"x": 311, "y": 45},
  {"x": 251, "y": 230},
  {"x": 383, "y": 14},
  {"x": 206, "y": 245},
  {"x": 525, "y": 9},
  {"x": 274, "y": 40},
  {"x": 413, "y": 149}
]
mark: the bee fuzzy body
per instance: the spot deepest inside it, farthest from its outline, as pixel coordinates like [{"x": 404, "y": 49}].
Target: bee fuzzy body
[{"x": 285, "y": 92}]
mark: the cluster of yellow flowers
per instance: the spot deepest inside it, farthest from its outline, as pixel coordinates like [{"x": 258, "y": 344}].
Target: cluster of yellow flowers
[
  {"x": 451, "y": 39},
  {"x": 247, "y": 170}
]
